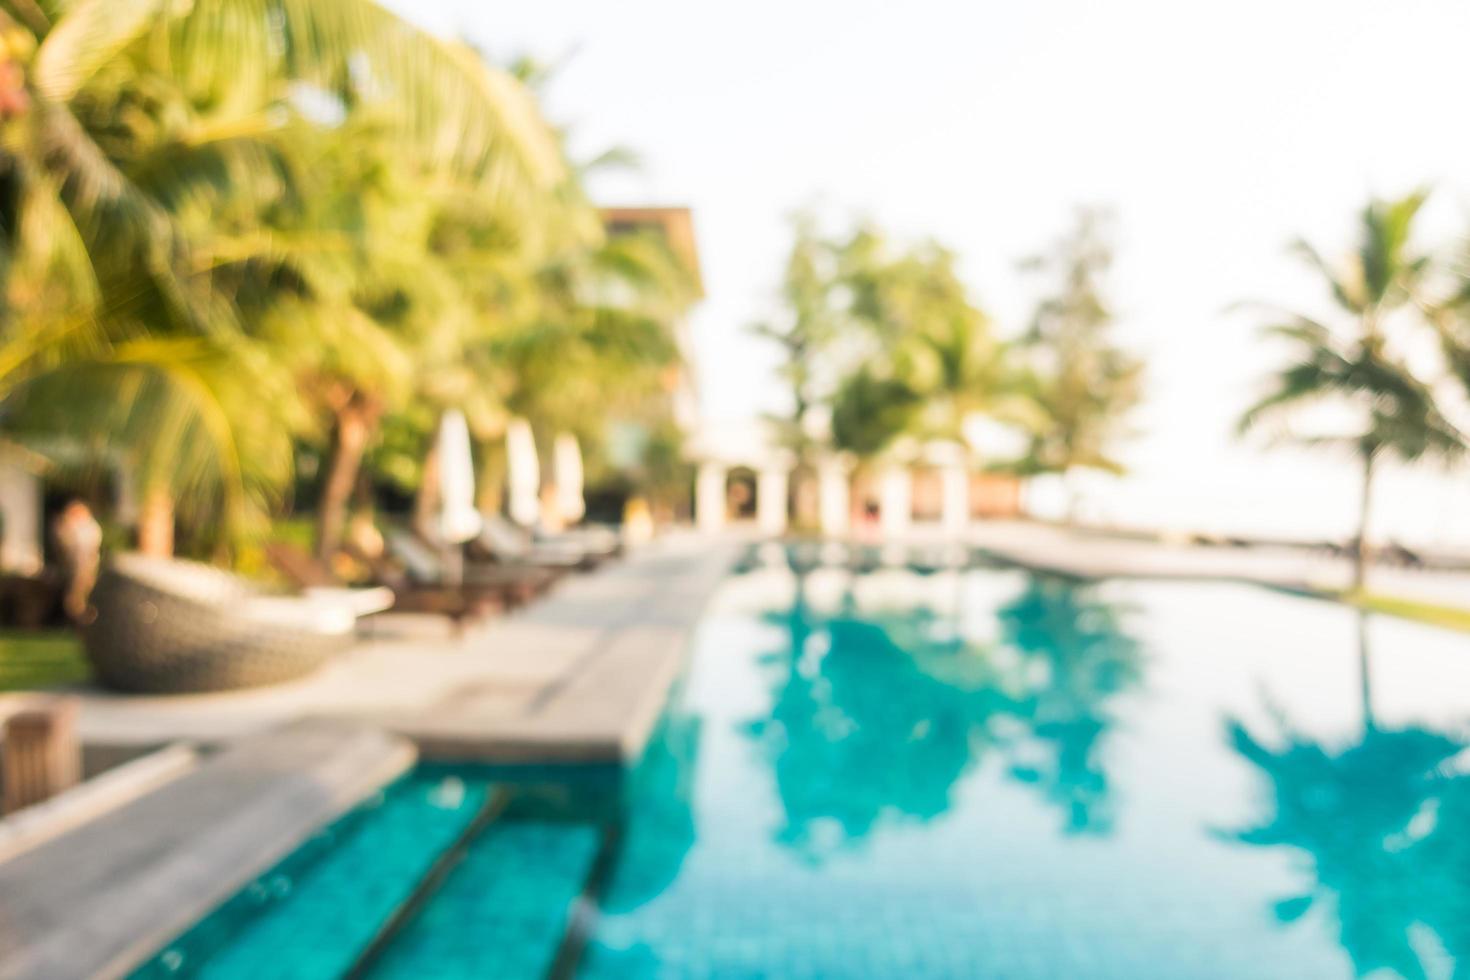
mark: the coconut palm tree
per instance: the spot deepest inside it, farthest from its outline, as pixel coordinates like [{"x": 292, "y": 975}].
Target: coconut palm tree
[
  {"x": 594, "y": 340},
  {"x": 153, "y": 146},
  {"x": 1356, "y": 362}
]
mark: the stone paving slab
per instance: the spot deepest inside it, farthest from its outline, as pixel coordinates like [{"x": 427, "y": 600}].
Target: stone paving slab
[
  {"x": 603, "y": 705},
  {"x": 96, "y": 900},
  {"x": 88, "y": 800}
]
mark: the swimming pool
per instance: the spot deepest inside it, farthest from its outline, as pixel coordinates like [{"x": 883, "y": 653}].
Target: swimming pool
[{"x": 967, "y": 773}]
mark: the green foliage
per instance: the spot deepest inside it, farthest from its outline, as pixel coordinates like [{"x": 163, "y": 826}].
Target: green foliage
[
  {"x": 1080, "y": 385},
  {"x": 1359, "y": 365},
  {"x": 934, "y": 340},
  {"x": 233, "y": 226},
  {"x": 1435, "y": 614},
  {"x": 887, "y": 337},
  {"x": 30, "y": 660},
  {"x": 870, "y": 412},
  {"x": 664, "y": 476},
  {"x": 811, "y": 322}
]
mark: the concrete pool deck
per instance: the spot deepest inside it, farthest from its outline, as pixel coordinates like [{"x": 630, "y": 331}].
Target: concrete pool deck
[
  {"x": 1097, "y": 554},
  {"x": 579, "y": 676}
]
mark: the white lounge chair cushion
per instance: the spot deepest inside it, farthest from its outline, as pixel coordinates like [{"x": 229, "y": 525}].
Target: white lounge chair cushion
[
  {"x": 312, "y": 615},
  {"x": 362, "y": 602}
]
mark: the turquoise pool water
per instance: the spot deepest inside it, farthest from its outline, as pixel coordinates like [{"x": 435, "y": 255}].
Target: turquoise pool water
[{"x": 966, "y": 773}]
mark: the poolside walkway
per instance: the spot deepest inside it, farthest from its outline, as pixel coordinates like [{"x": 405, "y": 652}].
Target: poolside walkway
[
  {"x": 1096, "y": 554},
  {"x": 579, "y": 676}
]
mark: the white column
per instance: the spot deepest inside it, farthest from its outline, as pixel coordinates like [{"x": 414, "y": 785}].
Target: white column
[
  {"x": 954, "y": 484},
  {"x": 833, "y": 498},
  {"x": 20, "y": 508},
  {"x": 709, "y": 497},
  {"x": 770, "y": 501},
  {"x": 895, "y": 501}
]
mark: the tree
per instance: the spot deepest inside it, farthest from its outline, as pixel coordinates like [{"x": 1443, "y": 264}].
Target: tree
[
  {"x": 1358, "y": 366},
  {"x": 1081, "y": 386},
  {"x": 871, "y": 410},
  {"x": 152, "y": 172},
  {"x": 596, "y": 341},
  {"x": 808, "y": 325}
]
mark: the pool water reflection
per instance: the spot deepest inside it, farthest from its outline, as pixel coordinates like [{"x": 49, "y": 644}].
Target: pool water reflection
[{"x": 983, "y": 772}]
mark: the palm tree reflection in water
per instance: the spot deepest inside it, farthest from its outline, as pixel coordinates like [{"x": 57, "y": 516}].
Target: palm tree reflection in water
[
  {"x": 1384, "y": 821},
  {"x": 878, "y": 716},
  {"x": 1076, "y": 660}
]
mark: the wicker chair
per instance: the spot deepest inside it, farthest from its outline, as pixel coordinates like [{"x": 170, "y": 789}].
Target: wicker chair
[{"x": 163, "y": 626}]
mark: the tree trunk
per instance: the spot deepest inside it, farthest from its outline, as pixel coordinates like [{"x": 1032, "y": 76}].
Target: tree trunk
[
  {"x": 490, "y": 489},
  {"x": 1360, "y": 552},
  {"x": 156, "y": 523},
  {"x": 1365, "y": 676},
  {"x": 354, "y": 425},
  {"x": 426, "y": 500}
]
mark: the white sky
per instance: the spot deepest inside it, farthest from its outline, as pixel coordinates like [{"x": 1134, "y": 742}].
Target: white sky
[{"x": 1216, "y": 136}]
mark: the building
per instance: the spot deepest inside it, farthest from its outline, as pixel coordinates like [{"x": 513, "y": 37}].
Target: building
[
  {"x": 745, "y": 475},
  {"x": 676, "y": 226}
]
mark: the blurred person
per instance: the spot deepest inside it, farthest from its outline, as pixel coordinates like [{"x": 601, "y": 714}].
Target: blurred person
[
  {"x": 363, "y": 538},
  {"x": 637, "y": 521},
  {"x": 78, "y": 539}
]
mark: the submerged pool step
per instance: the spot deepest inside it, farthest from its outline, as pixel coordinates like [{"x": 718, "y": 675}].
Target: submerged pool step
[
  {"x": 315, "y": 914},
  {"x": 493, "y": 806},
  {"x": 582, "y": 917},
  {"x": 504, "y": 910}
]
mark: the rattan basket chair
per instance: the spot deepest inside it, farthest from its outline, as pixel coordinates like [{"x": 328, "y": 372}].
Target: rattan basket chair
[{"x": 165, "y": 626}]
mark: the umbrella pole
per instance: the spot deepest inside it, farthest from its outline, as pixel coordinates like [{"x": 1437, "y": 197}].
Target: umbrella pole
[{"x": 454, "y": 566}]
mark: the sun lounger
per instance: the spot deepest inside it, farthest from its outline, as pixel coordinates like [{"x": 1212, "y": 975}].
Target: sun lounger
[
  {"x": 507, "y": 544},
  {"x": 423, "y": 568},
  {"x": 403, "y": 595},
  {"x": 593, "y": 539}
]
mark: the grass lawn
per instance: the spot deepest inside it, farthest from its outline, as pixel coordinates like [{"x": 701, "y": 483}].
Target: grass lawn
[
  {"x": 1452, "y": 617},
  {"x": 32, "y": 659}
]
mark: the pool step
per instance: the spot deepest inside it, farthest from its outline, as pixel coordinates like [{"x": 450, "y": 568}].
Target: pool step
[
  {"x": 310, "y": 915},
  {"x": 582, "y": 918},
  {"x": 504, "y": 910},
  {"x": 494, "y": 806}
]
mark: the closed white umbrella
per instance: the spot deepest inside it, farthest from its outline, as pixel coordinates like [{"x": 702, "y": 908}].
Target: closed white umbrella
[
  {"x": 459, "y": 521},
  {"x": 523, "y": 472},
  {"x": 566, "y": 458}
]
